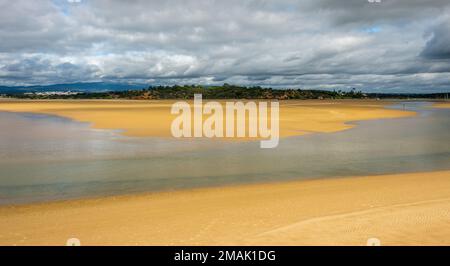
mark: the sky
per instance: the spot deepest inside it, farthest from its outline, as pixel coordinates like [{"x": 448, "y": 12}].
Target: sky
[{"x": 391, "y": 46}]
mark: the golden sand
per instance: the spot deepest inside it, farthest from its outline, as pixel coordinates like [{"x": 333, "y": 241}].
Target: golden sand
[
  {"x": 153, "y": 118},
  {"x": 411, "y": 209},
  {"x": 442, "y": 105},
  {"x": 402, "y": 209}
]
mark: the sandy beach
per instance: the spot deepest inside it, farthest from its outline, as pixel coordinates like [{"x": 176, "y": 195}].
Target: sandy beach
[
  {"x": 402, "y": 209},
  {"x": 398, "y": 209},
  {"x": 153, "y": 118},
  {"x": 442, "y": 105}
]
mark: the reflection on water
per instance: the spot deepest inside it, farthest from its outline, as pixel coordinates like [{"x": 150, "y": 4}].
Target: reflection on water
[{"x": 46, "y": 157}]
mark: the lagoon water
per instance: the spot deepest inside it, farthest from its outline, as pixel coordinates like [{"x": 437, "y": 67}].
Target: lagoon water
[{"x": 46, "y": 158}]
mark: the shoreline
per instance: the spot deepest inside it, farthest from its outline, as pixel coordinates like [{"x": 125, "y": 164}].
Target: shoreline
[
  {"x": 200, "y": 188},
  {"x": 399, "y": 209},
  {"x": 153, "y": 118},
  {"x": 441, "y": 105}
]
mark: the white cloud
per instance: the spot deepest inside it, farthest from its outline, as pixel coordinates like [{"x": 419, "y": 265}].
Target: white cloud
[{"x": 310, "y": 43}]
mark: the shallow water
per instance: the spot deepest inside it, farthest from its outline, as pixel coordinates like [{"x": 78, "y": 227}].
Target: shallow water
[{"x": 48, "y": 158}]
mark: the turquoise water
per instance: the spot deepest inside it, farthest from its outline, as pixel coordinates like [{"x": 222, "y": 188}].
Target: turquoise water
[{"x": 51, "y": 158}]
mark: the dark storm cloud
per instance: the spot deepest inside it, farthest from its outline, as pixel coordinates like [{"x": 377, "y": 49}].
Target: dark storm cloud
[
  {"x": 386, "y": 11},
  {"x": 438, "y": 47},
  {"x": 45, "y": 70},
  {"x": 392, "y": 45}
]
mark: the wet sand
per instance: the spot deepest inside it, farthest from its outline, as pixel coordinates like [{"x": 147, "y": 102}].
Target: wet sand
[
  {"x": 402, "y": 209},
  {"x": 153, "y": 118}
]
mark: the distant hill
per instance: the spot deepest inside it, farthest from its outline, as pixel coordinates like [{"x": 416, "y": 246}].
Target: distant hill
[{"x": 80, "y": 87}]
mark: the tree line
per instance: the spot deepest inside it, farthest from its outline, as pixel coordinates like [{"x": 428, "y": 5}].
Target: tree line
[{"x": 225, "y": 91}]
